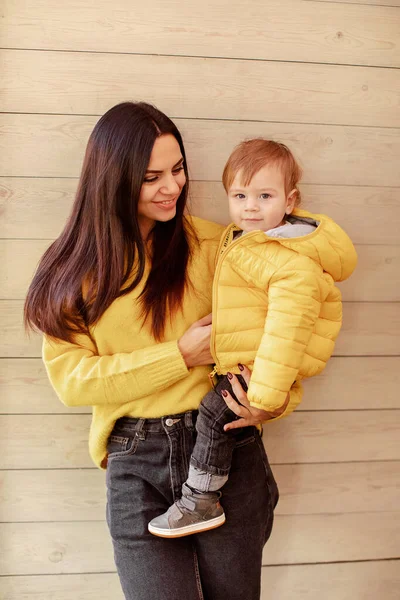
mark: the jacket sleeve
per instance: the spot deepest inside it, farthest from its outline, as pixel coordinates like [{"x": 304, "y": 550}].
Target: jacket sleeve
[
  {"x": 294, "y": 302},
  {"x": 295, "y": 397},
  {"x": 81, "y": 377}
]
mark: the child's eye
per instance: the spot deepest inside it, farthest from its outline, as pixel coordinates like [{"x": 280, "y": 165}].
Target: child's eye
[
  {"x": 239, "y": 196},
  {"x": 265, "y": 196}
]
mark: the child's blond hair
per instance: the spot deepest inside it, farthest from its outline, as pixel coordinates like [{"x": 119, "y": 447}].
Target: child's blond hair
[{"x": 252, "y": 155}]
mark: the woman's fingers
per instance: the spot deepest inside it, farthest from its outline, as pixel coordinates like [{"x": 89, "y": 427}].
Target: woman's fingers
[
  {"x": 245, "y": 373},
  {"x": 238, "y": 409},
  {"x": 236, "y": 424},
  {"x": 239, "y": 392},
  {"x": 207, "y": 320}
]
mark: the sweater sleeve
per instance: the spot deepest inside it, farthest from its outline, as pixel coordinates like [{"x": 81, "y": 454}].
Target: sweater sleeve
[
  {"x": 293, "y": 308},
  {"x": 80, "y": 377}
]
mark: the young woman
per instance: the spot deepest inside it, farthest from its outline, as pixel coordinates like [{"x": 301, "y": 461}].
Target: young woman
[{"x": 123, "y": 298}]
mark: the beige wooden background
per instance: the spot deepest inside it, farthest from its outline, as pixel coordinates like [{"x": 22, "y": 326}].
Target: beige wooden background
[{"x": 322, "y": 76}]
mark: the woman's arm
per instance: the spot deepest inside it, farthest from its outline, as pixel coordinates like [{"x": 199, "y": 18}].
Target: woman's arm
[{"x": 81, "y": 377}]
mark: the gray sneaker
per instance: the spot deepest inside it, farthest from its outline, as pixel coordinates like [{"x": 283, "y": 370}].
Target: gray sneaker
[{"x": 192, "y": 513}]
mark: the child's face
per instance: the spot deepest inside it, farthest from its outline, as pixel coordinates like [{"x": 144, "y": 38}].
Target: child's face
[{"x": 262, "y": 204}]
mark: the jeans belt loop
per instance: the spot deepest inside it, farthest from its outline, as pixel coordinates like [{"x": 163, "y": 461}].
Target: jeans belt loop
[{"x": 140, "y": 432}]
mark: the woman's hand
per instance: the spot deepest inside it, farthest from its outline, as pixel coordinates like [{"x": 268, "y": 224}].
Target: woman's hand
[
  {"x": 248, "y": 415},
  {"x": 194, "y": 345}
]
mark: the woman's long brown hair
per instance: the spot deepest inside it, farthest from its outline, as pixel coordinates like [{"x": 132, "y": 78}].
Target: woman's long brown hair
[{"x": 92, "y": 261}]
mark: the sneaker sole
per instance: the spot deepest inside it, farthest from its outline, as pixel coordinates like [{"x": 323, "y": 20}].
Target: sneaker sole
[{"x": 189, "y": 529}]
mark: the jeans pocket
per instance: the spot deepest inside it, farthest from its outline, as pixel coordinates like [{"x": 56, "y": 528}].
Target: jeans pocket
[
  {"x": 246, "y": 439},
  {"x": 119, "y": 446}
]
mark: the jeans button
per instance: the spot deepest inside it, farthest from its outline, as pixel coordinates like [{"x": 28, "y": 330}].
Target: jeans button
[{"x": 169, "y": 422}]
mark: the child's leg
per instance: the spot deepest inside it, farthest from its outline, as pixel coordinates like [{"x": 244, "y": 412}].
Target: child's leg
[
  {"x": 212, "y": 453},
  {"x": 199, "y": 509}
]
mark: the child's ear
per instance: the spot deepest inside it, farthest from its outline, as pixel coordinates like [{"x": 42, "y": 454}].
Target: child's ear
[{"x": 291, "y": 201}]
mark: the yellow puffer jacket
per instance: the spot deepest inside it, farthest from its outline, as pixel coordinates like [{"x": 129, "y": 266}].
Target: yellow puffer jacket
[{"x": 276, "y": 308}]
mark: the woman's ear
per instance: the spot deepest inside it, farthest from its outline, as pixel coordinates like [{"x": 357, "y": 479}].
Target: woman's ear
[{"x": 291, "y": 201}]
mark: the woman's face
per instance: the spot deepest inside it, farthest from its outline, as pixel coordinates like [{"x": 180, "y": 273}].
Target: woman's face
[{"x": 162, "y": 185}]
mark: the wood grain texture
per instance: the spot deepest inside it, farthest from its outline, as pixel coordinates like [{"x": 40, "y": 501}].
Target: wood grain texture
[
  {"x": 362, "y": 334},
  {"x": 90, "y": 83},
  {"x": 355, "y": 383},
  {"x": 60, "y": 441},
  {"x": 376, "y": 278},
  {"x": 350, "y": 383},
  {"x": 305, "y": 489},
  {"x": 391, "y": 3},
  {"x": 290, "y": 30},
  {"x": 330, "y": 154},
  {"x": 369, "y": 329},
  {"x": 25, "y": 389},
  {"x": 52, "y": 548},
  {"x": 38, "y": 208},
  {"x": 369, "y": 580}
]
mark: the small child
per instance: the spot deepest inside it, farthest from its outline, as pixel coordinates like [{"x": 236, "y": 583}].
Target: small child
[{"x": 275, "y": 308}]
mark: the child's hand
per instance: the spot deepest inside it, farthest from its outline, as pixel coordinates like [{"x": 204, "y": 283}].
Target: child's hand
[{"x": 248, "y": 415}]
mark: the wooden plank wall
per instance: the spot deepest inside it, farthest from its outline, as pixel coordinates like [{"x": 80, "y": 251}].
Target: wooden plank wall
[{"x": 322, "y": 76}]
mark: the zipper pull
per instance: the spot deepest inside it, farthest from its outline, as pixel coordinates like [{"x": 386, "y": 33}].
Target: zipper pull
[{"x": 212, "y": 376}]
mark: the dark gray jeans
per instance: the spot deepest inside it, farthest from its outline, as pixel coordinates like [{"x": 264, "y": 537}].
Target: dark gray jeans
[
  {"x": 147, "y": 464},
  {"x": 213, "y": 449}
]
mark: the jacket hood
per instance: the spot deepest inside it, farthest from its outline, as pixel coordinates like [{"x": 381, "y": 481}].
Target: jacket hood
[{"x": 328, "y": 244}]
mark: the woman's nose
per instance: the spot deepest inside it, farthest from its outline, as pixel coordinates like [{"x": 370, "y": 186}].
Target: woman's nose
[{"x": 170, "y": 185}]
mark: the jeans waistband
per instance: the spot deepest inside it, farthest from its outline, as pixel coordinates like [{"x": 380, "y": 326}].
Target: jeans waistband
[{"x": 130, "y": 425}]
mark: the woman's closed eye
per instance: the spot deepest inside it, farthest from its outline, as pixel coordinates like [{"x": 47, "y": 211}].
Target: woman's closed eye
[
  {"x": 154, "y": 178},
  {"x": 177, "y": 170}
]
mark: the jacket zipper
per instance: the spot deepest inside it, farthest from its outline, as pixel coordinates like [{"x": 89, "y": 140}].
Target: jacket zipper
[{"x": 223, "y": 250}]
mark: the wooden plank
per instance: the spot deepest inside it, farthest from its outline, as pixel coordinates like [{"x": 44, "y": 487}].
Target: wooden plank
[
  {"x": 330, "y": 154},
  {"x": 376, "y": 279},
  {"x": 370, "y": 281},
  {"x": 101, "y": 586},
  {"x": 51, "y": 548},
  {"x": 369, "y": 329},
  {"x": 38, "y": 208},
  {"x": 80, "y": 495},
  {"x": 307, "y": 489},
  {"x": 14, "y": 341},
  {"x": 290, "y": 30},
  {"x": 45, "y": 441},
  {"x": 21, "y": 258},
  {"x": 90, "y": 83},
  {"x": 334, "y": 537},
  {"x": 333, "y": 437},
  {"x": 346, "y": 581},
  {"x": 354, "y": 383},
  {"x": 35, "y": 208},
  {"x": 392, "y": 3},
  {"x": 60, "y": 441},
  {"x": 25, "y": 389}
]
